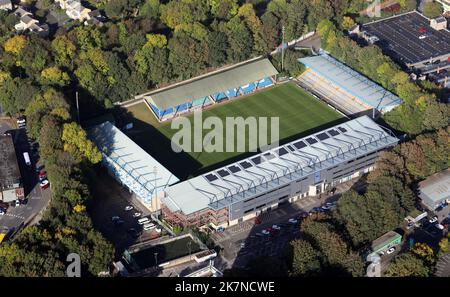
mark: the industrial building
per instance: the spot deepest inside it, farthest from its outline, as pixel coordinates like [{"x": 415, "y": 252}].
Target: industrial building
[
  {"x": 224, "y": 84},
  {"x": 383, "y": 243},
  {"x": 129, "y": 164},
  {"x": 420, "y": 44},
  {"x": 344, "y": 88},
  {"x": 10, "y": 179},
  {"x": 305, "y": 167},
  {"x": 435, "y": 190}
]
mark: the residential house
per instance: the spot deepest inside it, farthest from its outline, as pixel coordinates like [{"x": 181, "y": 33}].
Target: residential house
[
  {"x": 75, "y": 10},
  {"x": 28, "y": 24},
  {"x": 6, "y": 5}
]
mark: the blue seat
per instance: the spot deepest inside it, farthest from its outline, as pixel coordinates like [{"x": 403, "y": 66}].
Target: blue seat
[
  {"x": 232, "y": 93},
  {"x": 248, "y": 88},
  {"x": 219, "y": 96},
  {"x": 265, "y": 82}
]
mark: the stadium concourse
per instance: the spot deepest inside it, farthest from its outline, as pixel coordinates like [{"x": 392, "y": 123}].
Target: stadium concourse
[
  {"x": 344, "y": 88},
  {"x": 224, "y": 84}
]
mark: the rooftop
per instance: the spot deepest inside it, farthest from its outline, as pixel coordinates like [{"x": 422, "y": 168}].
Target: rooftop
[
  {"x": 409, "y": 37},
  {"x": 353, "y": 82},
  {"x": 218, "y": 81},
  {"x": 437, "y": 186},
  {"x": 381, "y": 241},
  {"x": 279, "y": 166},
  {"x": 133, "y": 165},
  {"x": 9, "y": 168}
]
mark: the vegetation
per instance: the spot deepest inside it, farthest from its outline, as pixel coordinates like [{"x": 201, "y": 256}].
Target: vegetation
[{"x": 432, "y": 9}]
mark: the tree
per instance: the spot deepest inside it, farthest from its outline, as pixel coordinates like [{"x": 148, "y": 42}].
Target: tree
[
  {"x": 75, "y": 138},
  {"x": 180, "y": 12},
  {"x": 347, "y": 23},
  {"x": 64, "y": 50},
  {"x": 239, "y": 39},
  {"x": 150, "y": 9},
  {"x": 54, "y": 76},
  {"x": 15, "y": 44},
  {"x": 223, "y": 9},
  {"x": 432, "y": 9},
  {"x": 407, "y": 265},
  {"x": 305, "y": 259}
]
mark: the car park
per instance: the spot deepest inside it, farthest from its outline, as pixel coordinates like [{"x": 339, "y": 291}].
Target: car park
[
  {"x": 390, "y": 251},
  {"x": 128, "y": 208}
]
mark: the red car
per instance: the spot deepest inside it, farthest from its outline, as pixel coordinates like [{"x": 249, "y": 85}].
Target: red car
[
  {"x": 42, "y": 175},
  {"x": 257, "y": 221}
]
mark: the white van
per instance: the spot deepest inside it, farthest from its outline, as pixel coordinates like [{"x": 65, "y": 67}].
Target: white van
[
  {"x": 26, "y": 157},
  {"x": 143, "y": 221}
]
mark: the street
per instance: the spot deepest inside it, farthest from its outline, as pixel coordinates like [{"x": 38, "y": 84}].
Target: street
[{"x": 37, "y": 199}]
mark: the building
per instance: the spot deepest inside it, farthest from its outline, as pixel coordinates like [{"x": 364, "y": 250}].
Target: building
[
  {"x": 75, "y": 10},
  {"x": 218, "y": 86},
  {"x": 10, "y": 179},
  {"x": 416, "y": 42},
  {"x": 131, "y": 165},
  {"x": 305, "y": 167},
  {"x": 344, "y": 88},
  {"x": 6, "y": 5},
  {"x": 385, "y": 242},
  {"x": 445, "y": 4},
  {"x": 435, "y": 190},
  {"x": 28, "y": 24}
]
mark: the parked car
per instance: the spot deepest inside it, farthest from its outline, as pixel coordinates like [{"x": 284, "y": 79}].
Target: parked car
[
  {"x": 44, "y": 184},
  {"x": 4, "y": 206},
  {"x": 118, "y": 222},
  {"x": 276, "y": 227},
  {"x": 390, "y": 251},
  {"x": 158, "y": 230},
  {"x": 221, "y": 229},
  {"x": 1, "y": 212},
  {"x": 136, "y": 215},
  {"x": 42, "y": 175},
  {"x": 265, "y": 232},
  {"x": 128, "y": 207},
  {"x": 381, "y": 253},
  {"x": 17, "y": 202},
  {"x": 410, "y": 225},
  {"x": 433, "y": 220},
  {"x": 439, "y": 226},
  {"x": 257, "y": 221},
  {"x": 115, "y": 218},
  {"x": 242, "y": 245},
  {"x": 293, "y": 221}
]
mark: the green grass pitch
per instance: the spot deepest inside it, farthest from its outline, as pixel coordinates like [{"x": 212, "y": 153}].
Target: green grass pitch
[{"x": 299, "y": 115}]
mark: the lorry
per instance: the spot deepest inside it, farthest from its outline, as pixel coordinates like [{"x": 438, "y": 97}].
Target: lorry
[{"x": 26, "y": 157}]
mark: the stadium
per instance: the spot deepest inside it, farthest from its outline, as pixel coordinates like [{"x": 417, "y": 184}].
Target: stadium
[{"x": 319, "y": 147}]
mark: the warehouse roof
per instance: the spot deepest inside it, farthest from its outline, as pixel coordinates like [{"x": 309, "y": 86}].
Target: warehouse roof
[
  {"x": 410, "y": 37},
  {"x": 136, "y": 168},
  {"x": 279, "y": 166},
  {"x": 384, "y": 239},
  {"x": 436, "y": 187},
  {"x": 351, "y": 81},
  {"x": 218, "y": 81},
  {"x": 9, "y": 168}
]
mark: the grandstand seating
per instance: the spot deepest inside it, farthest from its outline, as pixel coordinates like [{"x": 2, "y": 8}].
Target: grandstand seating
[
  {"x": 337, "y": 96},
  {"x": 216, "y": 97},
  {"x": 248, "y": 88},
  {"x": 264, "y": 83}
]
